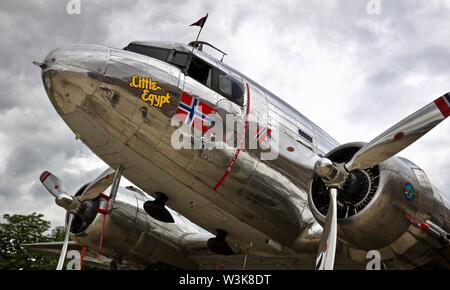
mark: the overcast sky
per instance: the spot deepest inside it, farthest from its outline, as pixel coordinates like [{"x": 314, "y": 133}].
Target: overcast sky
[{"x": 351, "y": 72}]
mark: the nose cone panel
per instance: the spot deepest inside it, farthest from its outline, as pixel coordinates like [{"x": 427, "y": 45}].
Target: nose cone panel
[
  {"x": 73, "y": 73},
  {"x": 91, "y": 58}
]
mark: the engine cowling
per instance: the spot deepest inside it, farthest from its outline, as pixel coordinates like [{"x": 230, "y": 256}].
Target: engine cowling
[
  {"x": 86, "y": 213},
  {"x": 374, "y": 204},
  {"x": 128, "y": 233}
]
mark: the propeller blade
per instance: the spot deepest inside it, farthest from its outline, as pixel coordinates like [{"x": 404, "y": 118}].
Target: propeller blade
[
  {"x": 99, "y": 185},
  {"x": 62, "y": 257},
  {"x": 401, "y": 135},
  {"x": 55, "y": 186},
  {"x": 52, "y": 183},
  {"x": 327, "y": 247}
]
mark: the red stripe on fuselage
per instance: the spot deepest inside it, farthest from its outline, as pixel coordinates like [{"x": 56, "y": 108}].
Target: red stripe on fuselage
[
  {"x": 238, "y": 149},
  {"x": 443, "y": 106}
]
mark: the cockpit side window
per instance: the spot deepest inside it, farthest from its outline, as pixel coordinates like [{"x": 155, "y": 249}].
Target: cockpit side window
[
  {"x": 227, "y": 85},
  {"x": 154, "y": 52},
  {"x": 232, "y": 88},
  {"x": 200, "y": 71}
]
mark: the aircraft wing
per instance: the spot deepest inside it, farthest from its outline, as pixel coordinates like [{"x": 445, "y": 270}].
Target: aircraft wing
[
  {"x": 202, "y": 256},
  {"x": 54, "y": 249}
]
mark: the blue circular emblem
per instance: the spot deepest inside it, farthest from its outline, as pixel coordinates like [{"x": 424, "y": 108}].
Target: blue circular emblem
[{"x": 409, "y": 191}]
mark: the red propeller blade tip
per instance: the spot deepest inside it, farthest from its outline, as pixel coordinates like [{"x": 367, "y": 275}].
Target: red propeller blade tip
[
  {"x": 443, "y": 104},
  {"x": 44, "y": 176}
]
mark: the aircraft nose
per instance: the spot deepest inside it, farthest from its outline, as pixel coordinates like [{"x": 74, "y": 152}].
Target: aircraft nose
[
  {"x": 91, "y": 58},
  {"x": 71, "y": 74}
]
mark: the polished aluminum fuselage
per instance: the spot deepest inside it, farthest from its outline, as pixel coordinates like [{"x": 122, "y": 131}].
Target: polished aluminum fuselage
[{"x": 261, "y": 203}]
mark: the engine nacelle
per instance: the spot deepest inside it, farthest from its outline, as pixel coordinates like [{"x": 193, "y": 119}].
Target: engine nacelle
[
  {"x": 128, "y": 233},
  {"x": 374, "y": 204}
]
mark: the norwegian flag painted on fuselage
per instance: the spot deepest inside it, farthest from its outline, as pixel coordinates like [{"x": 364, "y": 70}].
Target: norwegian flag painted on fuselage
[
  {"x": 262, "y": 133},
  {"x": 194, "y": 112}
]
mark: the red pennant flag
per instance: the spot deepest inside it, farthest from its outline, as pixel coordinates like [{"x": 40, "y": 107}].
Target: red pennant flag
[{"x": 200, "y": 22}]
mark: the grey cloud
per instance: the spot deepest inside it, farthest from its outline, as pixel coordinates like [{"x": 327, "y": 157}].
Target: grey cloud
[{"x": 31, "y": 131}]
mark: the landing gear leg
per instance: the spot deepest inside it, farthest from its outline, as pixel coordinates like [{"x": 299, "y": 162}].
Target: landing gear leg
[
  {"x": 113, "y": 265},
  {"x": 115, "y": 187},
  {"x": 246, "y": 256}
]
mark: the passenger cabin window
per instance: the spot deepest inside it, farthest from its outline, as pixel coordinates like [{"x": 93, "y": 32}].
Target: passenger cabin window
[{"x": 305, "y": 135}]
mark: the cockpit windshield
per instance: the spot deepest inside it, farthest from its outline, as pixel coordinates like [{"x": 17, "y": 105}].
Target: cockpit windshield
[
  {"x": 155, "y": 52},
  {"x": 179, "y": 58},
  {"x": 172, "y": 56}
]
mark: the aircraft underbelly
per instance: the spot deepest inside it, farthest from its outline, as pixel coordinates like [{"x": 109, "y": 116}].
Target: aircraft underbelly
[
  {"x": 255, "y": 204},
  {"x": 183, "y": 189}
]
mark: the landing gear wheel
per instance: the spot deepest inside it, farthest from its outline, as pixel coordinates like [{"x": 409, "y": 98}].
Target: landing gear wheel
[{"x": 113, "y": 265}]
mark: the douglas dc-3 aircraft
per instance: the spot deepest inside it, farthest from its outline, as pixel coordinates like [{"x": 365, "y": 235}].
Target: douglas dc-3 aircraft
[{"x": 241, "y": 209}]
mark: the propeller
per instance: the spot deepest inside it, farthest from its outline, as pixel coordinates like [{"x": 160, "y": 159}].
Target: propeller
[
  {"x": 78, "y": 207},
  {"x": 401, "y": 135},
  {"x": 381, "y": 148},
  {"x": 98, "y": 185},
  {"x": 327, "y": 246},
  {"x": 334, "y": 175},
  {"x": 63, "y": 254}
]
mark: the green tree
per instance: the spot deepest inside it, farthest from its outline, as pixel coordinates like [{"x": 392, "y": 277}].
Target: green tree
[
  {"x": 23, "y": 229},
  {"x": 58, "y": 234}
]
